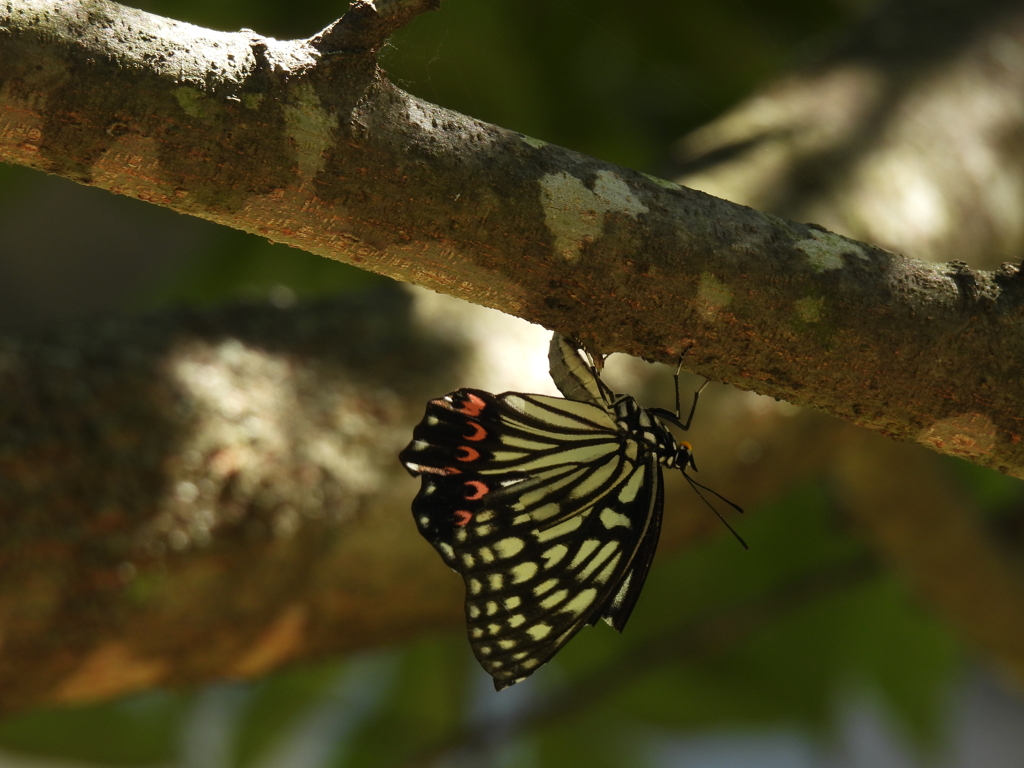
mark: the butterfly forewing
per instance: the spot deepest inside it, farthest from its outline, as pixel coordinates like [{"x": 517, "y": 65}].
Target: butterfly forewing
[{"x": 546, "y": 507}]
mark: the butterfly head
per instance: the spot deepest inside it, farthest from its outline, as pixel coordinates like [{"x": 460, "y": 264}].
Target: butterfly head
[{"x": 684, "y": 456}]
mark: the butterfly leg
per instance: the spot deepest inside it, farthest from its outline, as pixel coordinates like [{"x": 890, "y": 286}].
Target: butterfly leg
[{"x": 676, "y": 417}]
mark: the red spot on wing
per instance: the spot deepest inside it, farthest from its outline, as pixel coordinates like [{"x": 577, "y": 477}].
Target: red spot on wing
[
  {"x": 470, "y": 453},
  {"x": 478, "y": 490},
  {"x": 472, "y": 405},
  {"x": 479, "y": 433},
  {"x": 462, "y": 517}
]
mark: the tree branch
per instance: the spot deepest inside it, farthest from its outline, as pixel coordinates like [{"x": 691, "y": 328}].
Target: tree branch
[
  {"x": 321, "y": 152},
  {"x": 368, "y": 24}
]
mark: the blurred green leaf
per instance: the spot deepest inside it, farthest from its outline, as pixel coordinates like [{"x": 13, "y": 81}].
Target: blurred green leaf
[
  {"x": 276, "y": 705},
  {"x": 141, "y": 730},
  {"x": 238, "y": 266},
  {"x": 424, "y": 707},
  {"x": 992, "y": 491},
  {"x": 604, "y": 739}
]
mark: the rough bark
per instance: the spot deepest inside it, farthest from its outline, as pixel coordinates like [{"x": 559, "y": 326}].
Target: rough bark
[{"x": 315, "y": 148}]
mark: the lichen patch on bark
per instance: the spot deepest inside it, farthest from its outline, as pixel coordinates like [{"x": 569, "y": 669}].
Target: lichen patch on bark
[
  {"x": 970, "y": 435},
  {"x": 826, "y": 250},
  {"x": 809, "y": 308},
  {"x": 575, "y": 213},
  {"x": 712, "y": 294}
]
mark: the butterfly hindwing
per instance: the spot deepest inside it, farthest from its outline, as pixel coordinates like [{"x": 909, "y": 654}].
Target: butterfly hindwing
[
  {"x": 574, "y": 378},
  {"x": 546, "y": 508}
]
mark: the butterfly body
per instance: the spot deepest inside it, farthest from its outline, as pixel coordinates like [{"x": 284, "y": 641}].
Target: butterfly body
[{"x": 549, "y": 508}]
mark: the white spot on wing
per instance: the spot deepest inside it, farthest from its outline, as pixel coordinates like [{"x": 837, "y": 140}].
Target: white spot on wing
[
  {"x": 509, "y": 547},
  {"x": 543, "y": 587},
  {"x": 606, "y": 551},
  {"x": 621, "y": 595},
  {"x": 554, "y": 555},
  {"x": 609, "y": 569},
  {"x": 562, "y": 529},
  {"x": 632, "y": 487},
  {"x": 554, "y": 599},
  {"x": 585, "y": 550},
  {"x": 543, "y": 512},
  {"x": 524, "y": 572},
  {"x": 538, "y": 632},
  {"x": 610, "y": 518},
  {"x": 580, "y": 602}
]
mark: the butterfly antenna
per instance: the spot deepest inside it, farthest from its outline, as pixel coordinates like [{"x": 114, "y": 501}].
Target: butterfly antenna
[
  {"x": 732, "y": 504},
  {"x": 696, "y": 488}
]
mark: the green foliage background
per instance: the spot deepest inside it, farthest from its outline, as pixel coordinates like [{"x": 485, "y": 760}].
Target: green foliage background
[{"x": 722, "y": 638}]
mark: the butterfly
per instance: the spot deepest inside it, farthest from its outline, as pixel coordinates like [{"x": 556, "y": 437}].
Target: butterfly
[{"x": 549, "y": 508}]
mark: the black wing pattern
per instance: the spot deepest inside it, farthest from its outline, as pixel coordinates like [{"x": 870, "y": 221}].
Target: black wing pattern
[{"x": 550, "y": 509}]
